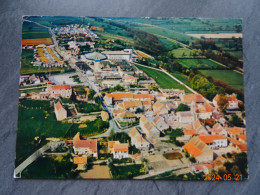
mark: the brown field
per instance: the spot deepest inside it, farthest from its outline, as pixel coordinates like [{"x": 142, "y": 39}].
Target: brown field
[
  {"x": 98, "y": 172},
  {"x": 217, "y": 36},
  {"x": 97, "y": 28},
  {"x": 45, "y": 41}
]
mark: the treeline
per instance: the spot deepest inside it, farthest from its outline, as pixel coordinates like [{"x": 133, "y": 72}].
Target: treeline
[
  {"x": 207, "y": 45},
  {"x": 205, "y": 85}
]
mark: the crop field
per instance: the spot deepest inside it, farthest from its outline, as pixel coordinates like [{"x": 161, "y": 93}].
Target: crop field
[
  {"x": 198, "y": 63},
  {"x": 230, "y": 77},
  {"x": 34, "y": 31},
  {"x": 162, "y": 79},
  {"x": 167, "y": 33},
  {"x": 45, "y": 41},
  {"x": 184, "y": 53},
  {"x": 53, "y": 55},
  {"x": 168, "y": 44}
]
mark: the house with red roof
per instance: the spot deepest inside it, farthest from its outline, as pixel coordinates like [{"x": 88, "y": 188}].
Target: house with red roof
[
  {"x": 60, "y": 112},
  {"x": 199, "y": 150},
  {"x": 119, "y": 97},
  {"x": 120, "y": 150},
  {"x": 214, "y": 141},
  {"x": 234, "y": 132},
  {"x": 55, "y": 91},
  {"x": 204, "y": 111},
  {"x": 189, "y": 98},
  {"x": 218, "y": 129},
  {"x": 85, "y": 147}
]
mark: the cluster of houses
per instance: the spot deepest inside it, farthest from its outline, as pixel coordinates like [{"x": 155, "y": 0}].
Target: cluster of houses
[
  {"x": 83, "y": 148},
  {"x": 75, "y": 29},
  {"x": 157, "y": 113}
]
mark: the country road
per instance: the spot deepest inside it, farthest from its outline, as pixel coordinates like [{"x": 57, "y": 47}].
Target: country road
[{"x": 33, "y": 157}]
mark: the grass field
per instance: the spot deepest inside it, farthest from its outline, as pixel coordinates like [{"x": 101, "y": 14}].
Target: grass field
[
  {"x": 198, "y": 63},
  {"x": 34, "y": 31},
  {"x": 181, "y": 77},
  {"x": 127, "y": 171},
  {"x": 162, "y": 79},
  {"x": 184, "y": 53},
  {"x": 168, "y": 44},
  {"x": 34, "y": 122},
  {"x": 50, "y": 168},
  {"x": 230, "y": 77},
  {"x": 167, "y": 33}
]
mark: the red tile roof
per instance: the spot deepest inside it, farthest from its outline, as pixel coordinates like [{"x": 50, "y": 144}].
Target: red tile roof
[
  {"x": 235, "y": 130},
  {"x": 192, "y": 97},
  {"x": 210, "y": 138},
  {"x": 121, "y": 147},
  {"x": 60, "y": 87},
  {"x": 189, "y": 131},
  {"x": 90, "y": 143},
  {"x": 242, "y": 137},
  {"x": 192, "y": 149},
  {"x": 58, "y": 106}
]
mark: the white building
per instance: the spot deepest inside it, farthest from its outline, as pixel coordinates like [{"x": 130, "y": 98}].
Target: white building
[
  {"x": 125, "y": 54},
  {"x": 214, "y": 141}
]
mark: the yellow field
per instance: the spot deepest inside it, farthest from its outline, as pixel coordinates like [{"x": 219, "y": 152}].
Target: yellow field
[
  {"x": 53, "y": 55},
  {"x": 41, "y": 56}
]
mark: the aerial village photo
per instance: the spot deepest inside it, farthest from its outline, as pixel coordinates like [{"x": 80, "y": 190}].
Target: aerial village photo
[{"x": 131, "y": 98}]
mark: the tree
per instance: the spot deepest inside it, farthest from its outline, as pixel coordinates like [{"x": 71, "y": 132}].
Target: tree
[
  {"x": 91, "y": 94},
  {"x": 236, "y": 120},
  {"x": 182, "y": 107},
  {"x": 222, "y": 102}
]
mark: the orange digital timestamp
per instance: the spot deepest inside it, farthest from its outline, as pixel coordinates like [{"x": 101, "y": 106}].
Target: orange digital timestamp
[{"x": 225, "y": 177}]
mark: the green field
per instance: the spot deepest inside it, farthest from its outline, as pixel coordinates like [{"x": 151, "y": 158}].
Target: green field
[
  {"x": 198, "y": 63},
  {"x": 162, "y": 79},
  {"x": 50, "y": 168},
  {"x": 168, "y": 44},
  {"x": 34, "y": 31},
  {"x": 184, "y": 53},
  {"x": 36, "y": 118},
  {"x": 34, "y": 122},
  {"x": 167, "y": 33},
  {"x": 181, "y": 77},
  {"x": 230, "y": 77},
  {"x": 127, "y": 171}
]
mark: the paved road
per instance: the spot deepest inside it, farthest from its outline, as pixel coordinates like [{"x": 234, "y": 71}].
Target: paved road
[{"x": 33, "y": 157}]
